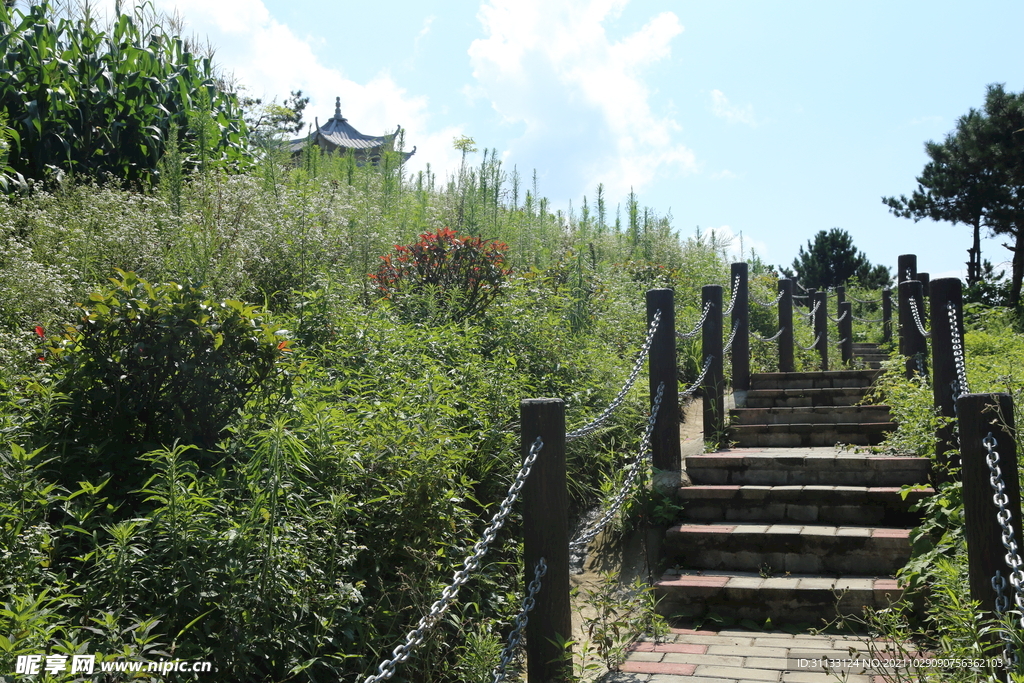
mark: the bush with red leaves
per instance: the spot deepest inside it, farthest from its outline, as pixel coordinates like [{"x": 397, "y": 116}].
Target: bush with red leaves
[{"x": 461, "y": 274}]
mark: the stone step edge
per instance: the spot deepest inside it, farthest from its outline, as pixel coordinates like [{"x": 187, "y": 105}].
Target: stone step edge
[
  {"x": 725, "y": 459},
  {"x": 815, "y": 426},
  {"x": 729, "y": 491},
  {"x": 780, "y": 529},
  {"x": 713, "y": 581}
]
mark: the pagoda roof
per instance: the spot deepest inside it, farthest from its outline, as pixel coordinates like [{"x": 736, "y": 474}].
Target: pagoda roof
[{"x": 338, "y": 132}]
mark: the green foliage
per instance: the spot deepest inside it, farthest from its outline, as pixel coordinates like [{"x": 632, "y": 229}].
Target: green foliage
[
  {"x": 911, "y": 405},
  {"x": 90, "y": 101},
  {"x": 156, "y": 364},
  {"x": 832, "y": 260},
  {"x": 458, "y": 275}
]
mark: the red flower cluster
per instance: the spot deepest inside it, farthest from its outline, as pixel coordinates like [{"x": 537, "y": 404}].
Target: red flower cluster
[{"x": 472, "y": 267}]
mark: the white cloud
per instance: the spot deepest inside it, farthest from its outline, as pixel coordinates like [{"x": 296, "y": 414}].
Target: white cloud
[
  {"x": 550, "y": 66},
  {"x": 722, "y": 108},
  {"x": 724, "y": 174}
]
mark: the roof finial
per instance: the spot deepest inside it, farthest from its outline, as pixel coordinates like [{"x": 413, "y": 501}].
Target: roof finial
[{"x": 337, "y": 108}]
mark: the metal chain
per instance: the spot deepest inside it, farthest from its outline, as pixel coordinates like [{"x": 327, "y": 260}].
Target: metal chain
[
  {"x": 735, "y": 293},
  {"x": 732, "y": 337},
  {"x": 842, "y": 341},
  {"x": 617, "y": 401},
  {"x": 870, "y": 320},
  {"x": 415, "y": 637},
  {"x": 813, "y": 345},
  {"x": 813, "y": 312},
  {"x": 772, "y": 338},
  {"x": 700, "y": 323},
  {"x": 1012, "y": 557},
  {"x": 529, "y": 601},
  {"x": 1001, "y": 606},
  {"x": 700, "y": 378},
  {"x": 869, "y": 301},
  {"x": 768, "y": 304},
  {"x": 958, "y": 352},
  {"x": 578, "y": 545},
  {"x": 840, "y": 318},
  {"x": 917, "y": 319}
]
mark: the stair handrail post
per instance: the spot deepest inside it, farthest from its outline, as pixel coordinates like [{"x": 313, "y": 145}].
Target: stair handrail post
[
  {"x": 913, "y": 345},
  {"x": 741, "y": 342},
  {"x": 925, "y": 279},
  {"x": 906, "y": 268},
  {"x": 947, "y": 323},
  {"x": 811, "y": 292},
  {"x": 786, "y": 363},
  {"x": 666, "y": 452},
  {"x": 711, "y": 347},
  {"x": 821, "y": 326},
  {"x": 846, "y": 331},
  {"x": 978, "y": 415},
  {"x": 840, "y": 296},
  {"x": 546, "y": 535},
  {"x": 886, "y": 315}
]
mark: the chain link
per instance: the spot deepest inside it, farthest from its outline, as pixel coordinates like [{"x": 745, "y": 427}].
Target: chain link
[
  {"x": 772, "y": 338},
  {"x": 617, "y": 401},
  {"x": 1012, "y": 557},
  {"x": 700, "y": 323},
  {"x": 529, "y": 601},
  {"x": 768, "y": 304},
  {"x": 868, "y": 301},
  {"x": 917, "y": 318},
  {"x": 814, "y": 311},
  {"x": 840, "y": 318},
  {"x": 958, "y": 353},
  {"x": 415, "y": 637},
  {"x": 579, "y": 545},
  {"x": 813, "y": 345},
  {"x": 732, "y": 337},
  {"x": 735, "y": 293},
  {"x": 870, "y": 320},
  {"x": 700, "y": 378}
]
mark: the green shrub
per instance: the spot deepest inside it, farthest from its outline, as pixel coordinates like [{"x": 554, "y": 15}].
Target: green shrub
[{"x": 150, "y": 365}]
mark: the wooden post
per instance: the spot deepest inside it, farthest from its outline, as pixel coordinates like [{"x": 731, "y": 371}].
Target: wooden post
[
  {"x": 546, "y": 534},
  {"x": 821, "y": 326},
  {"x": 945, "y": 292},
  {"x": 811, "y": 293},
  {"x": 925, "y": 279},
  {"x": 665, "y": 448},
  {"x": 886, "y": 315},
  {"x": 741, "y": 343},
  {"x": 711, "y": 346},
  {"x": 786, "y": 325},
  {"x": 906, "y": 268},
  {"x": 840, "y": 296},
  {"x": 846, "y": 331},
  {"x": 979, "y": 415},
  {"x": 912, "y": 343}
]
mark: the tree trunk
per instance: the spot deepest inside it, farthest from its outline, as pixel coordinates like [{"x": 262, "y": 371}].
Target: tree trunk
[{"x": 1018, "y": 268}]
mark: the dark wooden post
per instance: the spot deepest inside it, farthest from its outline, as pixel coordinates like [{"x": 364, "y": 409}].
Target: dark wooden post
[
  {"x": 978, "y": 415},
  {"x": 665, "y": 448},
  {"x": 810, "y": 298},
  {"x": 786, "y": 325},
  {"x": 887, "y": 315},
  {"x": 840, "y": 296},
  {"x": 741, "y": 343},
  {"x": 906, "y": 268},
  {"x": 846, "y": 331},
  {"x": 546, "y": 534},
  {"x": 711, "y": 347},
  {"x": 946, "y": 292},
  {"x": 821, "y": 326},
  {"x": 925, "y": 279},
  {"x": 912, "y": 343}
]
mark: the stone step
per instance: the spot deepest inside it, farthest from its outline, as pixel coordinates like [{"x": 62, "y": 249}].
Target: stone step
[
  {"x": 765, "y": 468},
  {"x": 778, "y": 548},
  {"x": 810, "y": 434},
  {"x": 769, "y": 398},
  {"x": 865, "y": 346},
  {"x": 805, "y": 503},
  {"x": 812, "y": 380},
  {"x": 790, "y": 598},
  {"x": 788, "y": 415}
]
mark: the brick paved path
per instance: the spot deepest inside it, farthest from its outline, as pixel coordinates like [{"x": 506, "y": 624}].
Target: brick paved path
[{"x": 738, "y": 656}]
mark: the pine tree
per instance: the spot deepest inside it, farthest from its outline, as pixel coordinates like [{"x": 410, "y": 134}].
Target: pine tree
[{"x": 831, "y": 260}]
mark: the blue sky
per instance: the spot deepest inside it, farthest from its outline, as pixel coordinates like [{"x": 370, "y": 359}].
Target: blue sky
[{"x": 774, "y": 120}]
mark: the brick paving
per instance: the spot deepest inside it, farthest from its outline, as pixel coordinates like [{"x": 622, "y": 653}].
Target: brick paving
[{"x": 740, "y": 656}]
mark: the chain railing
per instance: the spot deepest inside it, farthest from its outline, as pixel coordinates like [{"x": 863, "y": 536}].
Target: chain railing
[
  {"x": 735, "y": 293},
  {"x": 771, "y": 338},
  {"x": 617, "y": 401},
  {"x": 700, "y": 323},
  {"x": 732, "y": 337},
  {"x": 958, "y": 353},
  {"x": 865, "y": 301},
  {"x": 576, "y": 546},
  {"x": 1012, "y": 557},
  {"x": 415, "y": 637},
  {"x": 840, "y": 318},
  {"x": 869, "y": 320},
  {"x": 814, "y": 311},
  {"x": 529, "y": 601},
  {"x": 813, "y": 345},
  {"x": 768, "y": 304},
  {"x": 917, "y": 318}
]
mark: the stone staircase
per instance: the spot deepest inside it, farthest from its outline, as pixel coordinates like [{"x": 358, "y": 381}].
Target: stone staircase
[{"x": 787, "y": 526}]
